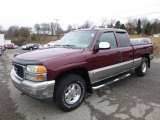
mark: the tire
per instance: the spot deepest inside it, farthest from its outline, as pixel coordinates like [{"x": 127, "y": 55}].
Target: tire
[
  {"x": 30, "y": 48},
  {"x": 142, "y": 69},
  {"x": 70, "y": 92}
]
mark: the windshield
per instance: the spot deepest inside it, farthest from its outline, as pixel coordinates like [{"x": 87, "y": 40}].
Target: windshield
[
  {"x": 29, "y": 44},
  {"x": 76, "y": 39}
]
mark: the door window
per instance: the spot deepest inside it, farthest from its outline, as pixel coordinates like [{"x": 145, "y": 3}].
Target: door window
[
  {"x": 123, "y": 39},
  {"x": 108, "y": 37}
]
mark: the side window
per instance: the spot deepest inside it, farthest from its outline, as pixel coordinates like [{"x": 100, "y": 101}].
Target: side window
[
  {"x": 108, "y": 37},
  {"x": 123, "y": 39},
  {"x": 36, "y": 45}
]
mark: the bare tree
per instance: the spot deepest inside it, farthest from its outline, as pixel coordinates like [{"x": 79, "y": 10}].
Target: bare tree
[
  {"x": 87, "y": 24},
  {"x": 59, "y": 29},
  {"x": 24, "y": 32},
  {"x": 144, "y": 22},
  {"x": 131, "y": 25},
  {"x": 37, "y": 27},
  {"x": 13, "y": 31},
  {"x": 75, "y": 26},
  {"x": 44, "y": 28},
  {"x": 48, "y": 29},
  {"x": 69, "y": 28},
  {"x": 111, "y": 23},
  {"x": 104, "y": 22}
]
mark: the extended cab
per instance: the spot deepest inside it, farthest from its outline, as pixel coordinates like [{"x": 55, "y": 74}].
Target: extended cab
[{"x": 83, "y": 60}]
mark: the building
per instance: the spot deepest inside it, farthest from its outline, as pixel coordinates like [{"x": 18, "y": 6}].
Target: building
[{"x": 156, "y": 35}]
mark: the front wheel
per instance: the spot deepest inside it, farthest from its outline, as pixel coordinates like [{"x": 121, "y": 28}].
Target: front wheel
[
  {"x": 70, "y": 92},
  {"x": 142, "y": 69}
]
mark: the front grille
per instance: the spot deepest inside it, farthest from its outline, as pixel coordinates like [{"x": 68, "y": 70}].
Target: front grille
[{"x": 19, "y": 70}]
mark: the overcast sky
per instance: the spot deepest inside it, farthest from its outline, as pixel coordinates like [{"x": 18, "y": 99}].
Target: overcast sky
[{"x": 29, "y": 12}]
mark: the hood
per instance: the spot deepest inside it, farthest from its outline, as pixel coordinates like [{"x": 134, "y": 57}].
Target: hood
[{"x": 47, "y": 54}]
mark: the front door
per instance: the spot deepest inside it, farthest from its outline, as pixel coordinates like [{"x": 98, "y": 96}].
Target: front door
[{"x": 106, "y": 62}]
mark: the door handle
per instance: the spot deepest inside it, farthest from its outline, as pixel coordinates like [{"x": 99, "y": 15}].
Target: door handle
[{"x": 119, "y": 53}]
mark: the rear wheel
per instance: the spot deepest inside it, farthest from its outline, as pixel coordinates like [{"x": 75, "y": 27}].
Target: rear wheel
[
  {"x": 142, "y": 69},
  {"x": 70, "y": 92}
]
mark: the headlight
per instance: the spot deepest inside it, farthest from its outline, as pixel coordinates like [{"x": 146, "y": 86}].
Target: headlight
[
  {"x": 36, "y": 73},
  {"x": 36, "y": 69}
]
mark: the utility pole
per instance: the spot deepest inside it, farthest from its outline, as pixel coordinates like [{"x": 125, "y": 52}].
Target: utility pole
[{"x": 56, "y": 26}]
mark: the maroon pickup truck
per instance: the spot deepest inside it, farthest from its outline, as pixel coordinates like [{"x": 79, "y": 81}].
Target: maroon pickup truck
[{"x": 83, "y": 60}]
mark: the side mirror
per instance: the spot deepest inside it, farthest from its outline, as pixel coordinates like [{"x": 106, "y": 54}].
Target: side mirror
[{"x": 103, "y": 45}]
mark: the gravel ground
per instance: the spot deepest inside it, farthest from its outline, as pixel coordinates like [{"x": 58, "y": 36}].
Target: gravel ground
[{"x": 133, "y": 98}]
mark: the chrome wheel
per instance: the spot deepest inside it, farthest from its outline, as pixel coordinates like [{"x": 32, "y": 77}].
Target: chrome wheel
[
  {"x": 144, "y": 67},
  {"x": 73, "y": 93}
]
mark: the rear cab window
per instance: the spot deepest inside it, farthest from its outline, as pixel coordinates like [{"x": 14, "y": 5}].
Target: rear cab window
[{"x": 123, "y": 40}]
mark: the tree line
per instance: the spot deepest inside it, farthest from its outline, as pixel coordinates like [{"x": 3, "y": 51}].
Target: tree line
[
  {"x": 19, "y": 35},
  {"x": 48, "y": 28},
  {"x": 133, "y": 26},
  {"x": 141, "y": 26}
]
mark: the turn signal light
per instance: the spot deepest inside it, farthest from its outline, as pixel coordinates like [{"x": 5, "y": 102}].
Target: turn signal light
[
  {"x": 40, "y": 78},
  {"x": 41, "y": 69}
]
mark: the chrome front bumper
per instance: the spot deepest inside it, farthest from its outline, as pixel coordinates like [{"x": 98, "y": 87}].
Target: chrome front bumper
[{"x": 40, "y": 90}]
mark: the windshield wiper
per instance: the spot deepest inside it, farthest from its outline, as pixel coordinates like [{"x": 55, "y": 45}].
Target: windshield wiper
[
  {"x": 70, "y": 46},
  {"x": 56, "y": 45}
]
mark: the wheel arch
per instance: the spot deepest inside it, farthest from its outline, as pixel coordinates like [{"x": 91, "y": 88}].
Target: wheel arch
[
  {"x": 147, "y": 56},
  {"x": 83, "y": 72}
]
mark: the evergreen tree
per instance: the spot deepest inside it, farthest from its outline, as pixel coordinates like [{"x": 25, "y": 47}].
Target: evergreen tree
[
  {"x": 118, "y": 24},
  {"x": 139, "y": 29},
  {"x": 122, "y": 27},
  {"x": 147, "y": 29}
]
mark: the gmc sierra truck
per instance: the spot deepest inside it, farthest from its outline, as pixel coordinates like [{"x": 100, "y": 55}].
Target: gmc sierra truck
[{"x": 82, "y": 61}]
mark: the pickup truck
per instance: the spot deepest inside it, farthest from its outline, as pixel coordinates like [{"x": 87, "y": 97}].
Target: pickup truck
[{"x": 82, "y": 61}]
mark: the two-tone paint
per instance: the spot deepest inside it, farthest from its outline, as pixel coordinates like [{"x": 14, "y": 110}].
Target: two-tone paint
[{"x": 99, "y": 64}]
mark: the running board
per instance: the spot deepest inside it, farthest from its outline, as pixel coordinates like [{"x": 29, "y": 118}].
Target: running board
[{"x": 110, "y": 82}]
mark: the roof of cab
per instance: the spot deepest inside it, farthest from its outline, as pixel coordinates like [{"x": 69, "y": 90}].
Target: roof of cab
[{"x": 102, "y": 29}]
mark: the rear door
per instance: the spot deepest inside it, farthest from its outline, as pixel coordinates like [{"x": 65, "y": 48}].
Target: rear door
[
  {"x": 106, "y": 62},
  {"x": 126, "y": 50}
]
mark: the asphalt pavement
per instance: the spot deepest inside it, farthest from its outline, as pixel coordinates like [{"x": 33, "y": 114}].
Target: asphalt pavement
[{"x": 133, "y": 98}]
